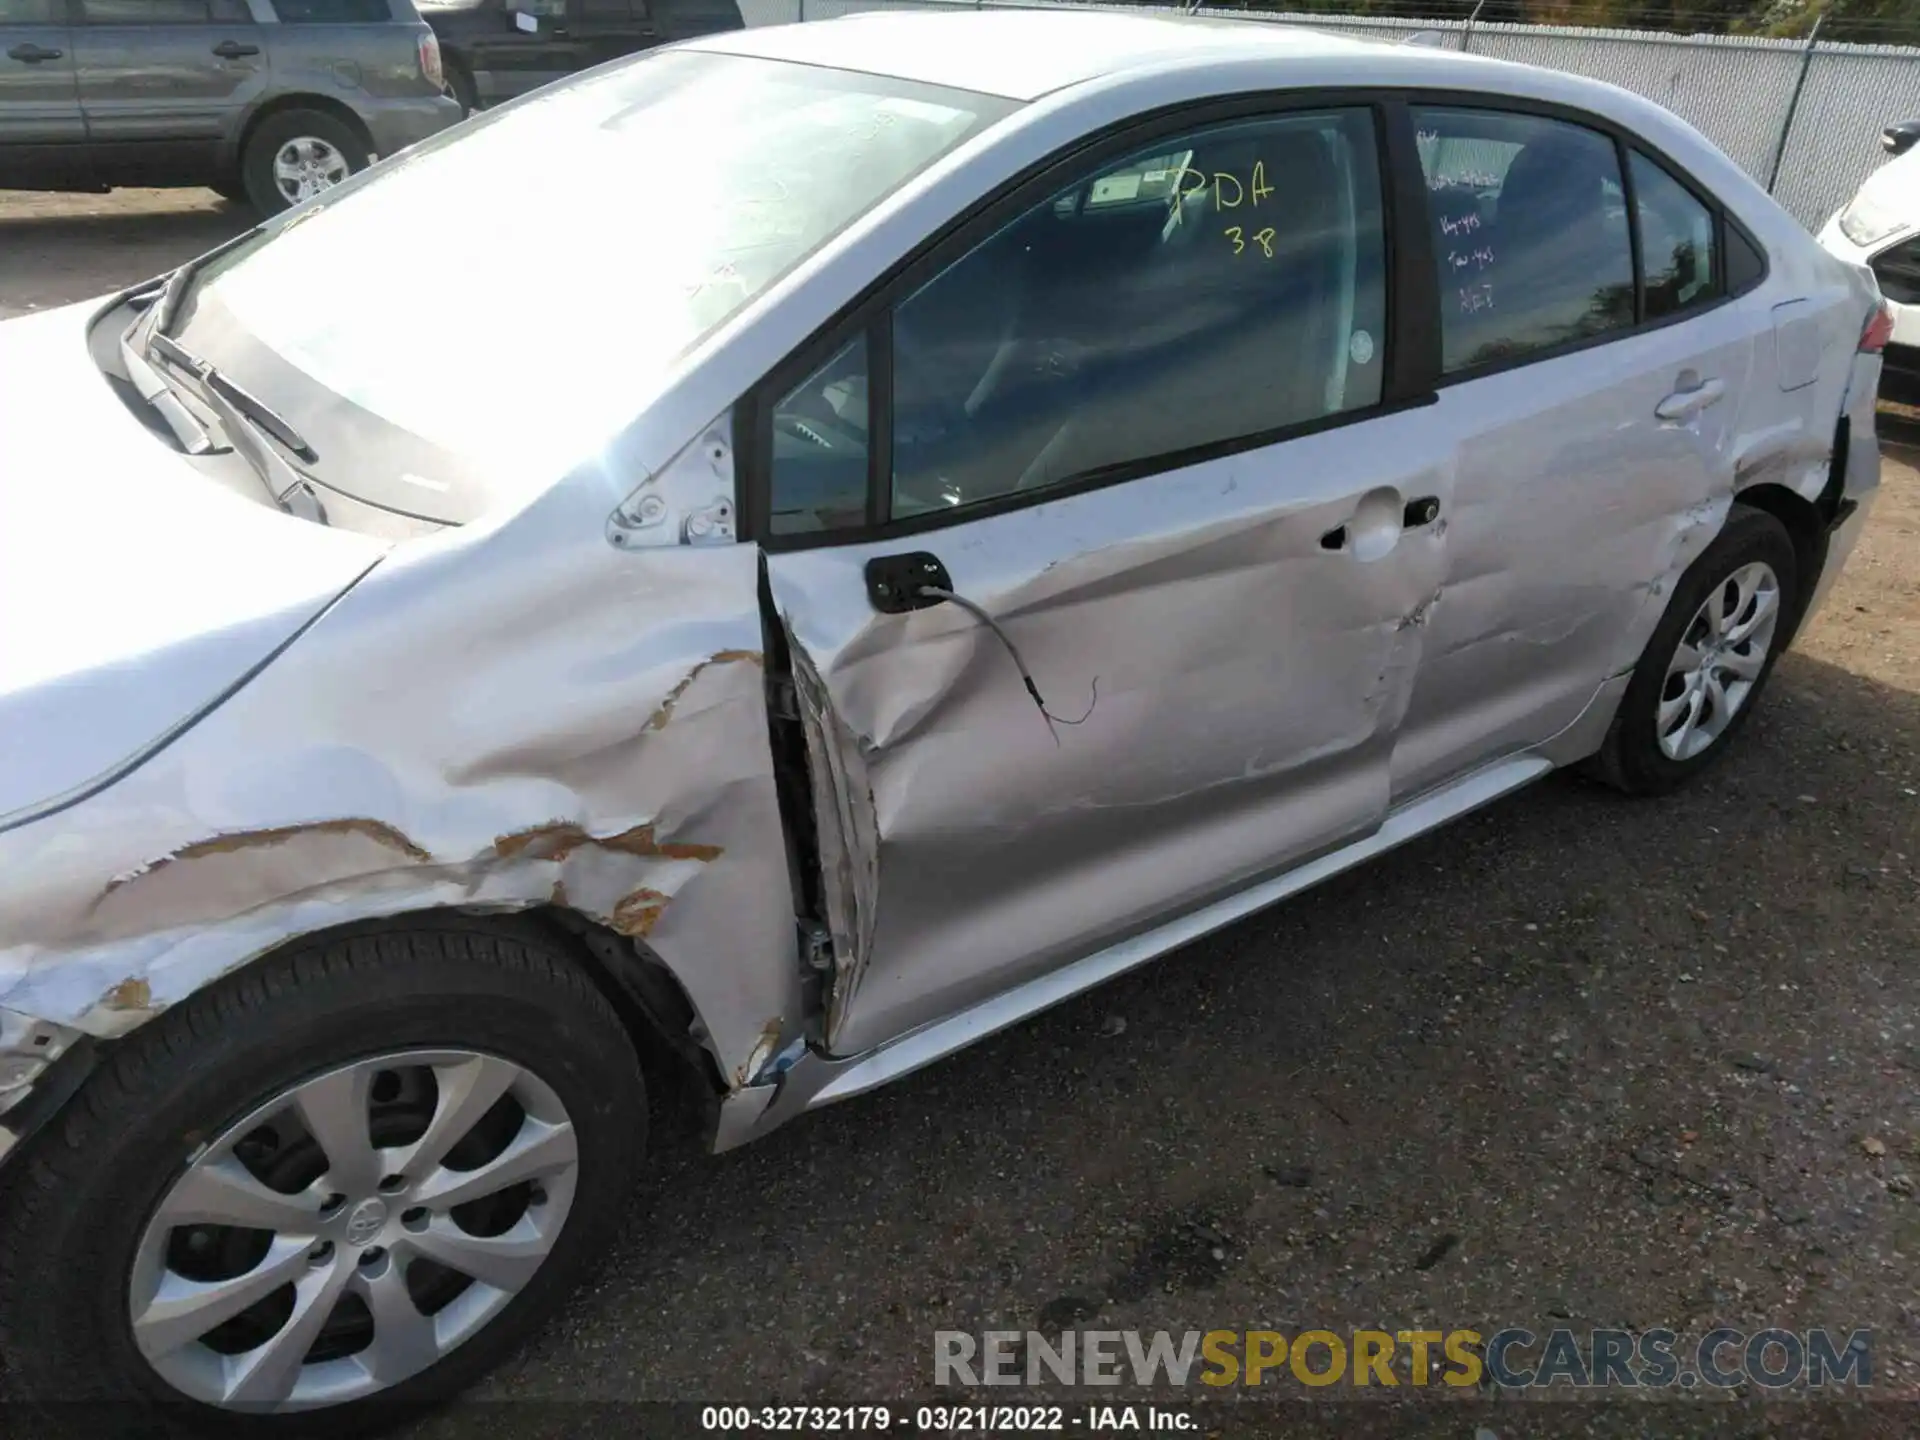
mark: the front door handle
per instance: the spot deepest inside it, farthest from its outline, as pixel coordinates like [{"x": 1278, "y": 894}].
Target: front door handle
[
  {"x": 895, "y": 582},
  {"x": 234, "y": 49},
  {"x": 1685, "y": 404},
  {"x": 31, "y": 54}
]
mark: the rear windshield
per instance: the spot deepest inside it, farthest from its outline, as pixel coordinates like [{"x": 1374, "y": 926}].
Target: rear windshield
[{"x": 528, "y": 281}]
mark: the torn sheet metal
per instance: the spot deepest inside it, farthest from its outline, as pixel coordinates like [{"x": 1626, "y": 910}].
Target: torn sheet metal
[
  {"x": 497, "y": 718},
  {"x": 1250, "y": 680}
]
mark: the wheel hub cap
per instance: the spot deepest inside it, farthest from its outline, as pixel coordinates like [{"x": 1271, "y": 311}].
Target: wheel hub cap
[
  {"x": 351, "y": 1231},
  {"x": 1719, "y": 660},
  {"x": 304, "y": 167},
  {"x": 368, "y": 1219}
]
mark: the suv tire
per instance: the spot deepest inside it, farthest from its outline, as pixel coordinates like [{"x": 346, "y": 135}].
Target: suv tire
[{"x": 320, "y": 149}]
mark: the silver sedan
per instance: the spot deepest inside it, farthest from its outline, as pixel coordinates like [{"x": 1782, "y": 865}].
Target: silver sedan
[{"x": 785, "y": 557}]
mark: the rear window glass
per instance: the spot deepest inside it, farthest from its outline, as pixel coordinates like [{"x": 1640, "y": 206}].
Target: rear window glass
[{"x": 332, "y": 12}]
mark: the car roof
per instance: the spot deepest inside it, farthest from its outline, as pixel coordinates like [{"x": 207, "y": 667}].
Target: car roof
[{"x": 1023, "y": 54}]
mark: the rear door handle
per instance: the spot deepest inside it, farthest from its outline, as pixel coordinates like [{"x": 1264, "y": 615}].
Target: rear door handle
[
  {"x": 234, "y": 49},
  {"x": 31, "y": 54},
  {"x": 1684, "y": 404}
]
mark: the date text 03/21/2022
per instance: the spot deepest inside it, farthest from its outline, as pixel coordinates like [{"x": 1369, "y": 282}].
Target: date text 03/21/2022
[{"x": 945, "y": 1419}]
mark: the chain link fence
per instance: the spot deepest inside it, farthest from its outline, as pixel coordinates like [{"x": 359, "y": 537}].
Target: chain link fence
[{"x": 1802, "y": 117}]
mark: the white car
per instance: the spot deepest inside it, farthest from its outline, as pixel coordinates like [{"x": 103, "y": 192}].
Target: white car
[
  {"x": 908, "y": 518},
  {"x": 1880, "y": 228}
]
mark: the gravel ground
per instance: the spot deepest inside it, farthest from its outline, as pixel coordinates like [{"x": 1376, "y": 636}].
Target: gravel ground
[{"x": 1576, "y": 1061}]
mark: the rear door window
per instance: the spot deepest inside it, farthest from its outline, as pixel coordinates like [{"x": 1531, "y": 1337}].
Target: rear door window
[
  {"x": 333, "y": 12},
  {"x": 1529, "y": 224}
]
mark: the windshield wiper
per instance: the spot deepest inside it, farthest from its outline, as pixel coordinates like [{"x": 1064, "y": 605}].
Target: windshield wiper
[
  {"x": 153, "y": 388},
  {"x": 182, "y": 278},
  {"x": 263, "y": 415}
]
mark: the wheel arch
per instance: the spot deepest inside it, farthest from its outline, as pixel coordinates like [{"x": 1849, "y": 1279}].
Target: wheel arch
[
  {"x": 1808, "y": 523},
  {"x": 297, "y": 100},
  {"x": 653, "y": 1005}
]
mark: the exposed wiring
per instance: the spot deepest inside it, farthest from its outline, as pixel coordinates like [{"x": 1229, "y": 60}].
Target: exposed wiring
[{"x": 1026, "y": 676}]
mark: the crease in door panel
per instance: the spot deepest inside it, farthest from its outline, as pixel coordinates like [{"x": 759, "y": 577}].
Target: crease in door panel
[{"x": 846, "y": 831}]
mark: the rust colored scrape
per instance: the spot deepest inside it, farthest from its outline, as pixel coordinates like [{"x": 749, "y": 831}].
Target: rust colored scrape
[
  {"x": 762, "y": 1052},
  {"x": 377, "y": 831},
  {"x": 636, "y": 914},
  {"x": 129, "y": 994},
  {"x": 640, "y": 841},
  {"x": 554, "y": 840},
  {"x": 558, "y": 839},
  {"x": 664, "y": 711}
]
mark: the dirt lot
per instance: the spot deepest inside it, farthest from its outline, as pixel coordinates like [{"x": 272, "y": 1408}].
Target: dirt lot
[{"x": 1577, "y": 1061}]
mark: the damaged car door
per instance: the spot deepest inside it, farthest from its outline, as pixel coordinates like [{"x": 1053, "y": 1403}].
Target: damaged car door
[
  {"x": 1100, "y": 545},
  {"x": 1591, "y": 403}
]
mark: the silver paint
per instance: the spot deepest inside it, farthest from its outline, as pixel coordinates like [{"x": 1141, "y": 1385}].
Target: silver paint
[{"x": 564, "y": 703}]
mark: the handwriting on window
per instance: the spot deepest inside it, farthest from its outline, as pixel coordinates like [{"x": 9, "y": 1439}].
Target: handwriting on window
[
  {"x": 1231, "y": 192},
  {"x": 1465, "y": 180}
]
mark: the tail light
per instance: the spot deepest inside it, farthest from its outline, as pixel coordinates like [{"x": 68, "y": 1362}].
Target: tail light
[
  {"x": 430, "y": 61},
  {"x": 1879, "y": 330}
]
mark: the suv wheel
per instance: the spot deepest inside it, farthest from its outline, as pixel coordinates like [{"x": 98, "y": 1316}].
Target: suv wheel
[
  {"x": 353, "y": 1175},
  {"x": 295, "y": 155}
]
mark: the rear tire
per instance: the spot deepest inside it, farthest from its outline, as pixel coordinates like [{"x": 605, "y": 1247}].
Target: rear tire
[
  {"x": 1664, "y": 732},
  {"x": 296, "y": 154},
  {"x": 98, "y": 1195},
  {"x": 461, "y": 84}
]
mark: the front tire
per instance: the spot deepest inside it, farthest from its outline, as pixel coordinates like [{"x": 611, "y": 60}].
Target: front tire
[
  {"x": 1710, "y": 657},
  {"x": 349, "y": 1179}
]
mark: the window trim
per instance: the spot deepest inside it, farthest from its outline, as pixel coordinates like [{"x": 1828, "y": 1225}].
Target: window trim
[
  {"x": 1413, "y": 375},
  {"x": 1625, "y": 142},
  {"x": 872, "y": 310}
]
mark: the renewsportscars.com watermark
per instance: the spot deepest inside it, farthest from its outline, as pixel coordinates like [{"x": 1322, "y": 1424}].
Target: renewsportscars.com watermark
[{"x": 1512, "y": 1359}]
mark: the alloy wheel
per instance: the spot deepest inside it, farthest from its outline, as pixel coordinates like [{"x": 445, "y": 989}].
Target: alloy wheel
[
  {"x": 354, "y": 1229},
  {"x": 1720, "y": 658},
  {"x": 306, "y": 165}
]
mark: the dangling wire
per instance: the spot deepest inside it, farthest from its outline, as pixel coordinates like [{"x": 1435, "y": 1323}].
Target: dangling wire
[{"x": 1026, "y": 676}]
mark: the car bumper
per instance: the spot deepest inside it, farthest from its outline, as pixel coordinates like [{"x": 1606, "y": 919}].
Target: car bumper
[
  {"x": 396, "y": 124},
  {"x": 1900, "y": 373},
  {"x": 1900, "y": 377},
  {"x": 41, "y": 1064}
]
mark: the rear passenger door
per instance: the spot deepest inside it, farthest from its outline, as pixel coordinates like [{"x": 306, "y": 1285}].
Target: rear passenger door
[
  {"x": 162, "y": 82},
  {"x": 1141, "y": 422},
  {"x": 1589, "y": 408},
  {"x": 41, "y": 132}
]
